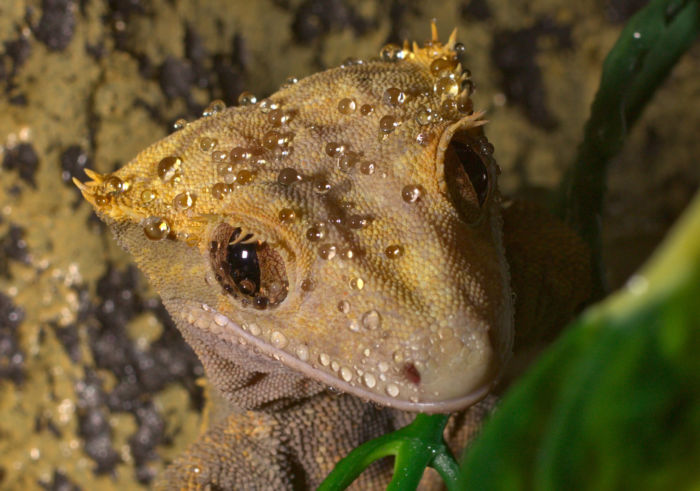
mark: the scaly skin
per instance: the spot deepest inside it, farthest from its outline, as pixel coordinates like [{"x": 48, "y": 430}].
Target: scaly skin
[{"x": 345, "y": 232}]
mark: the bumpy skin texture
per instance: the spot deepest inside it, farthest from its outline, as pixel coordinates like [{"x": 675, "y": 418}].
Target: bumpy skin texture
[{"x": 345, "y": 232}]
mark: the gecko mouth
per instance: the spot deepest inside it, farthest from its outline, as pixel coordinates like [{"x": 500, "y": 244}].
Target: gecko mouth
[{"x": 378, "y": 387}]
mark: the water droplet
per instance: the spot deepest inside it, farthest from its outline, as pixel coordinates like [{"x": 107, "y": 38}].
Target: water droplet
[
  {"x": 321, "y": 185},
  {"x": 247, "y": 98},
  {"x": 448, "y": 109},
  {"x": 392, "y": 53},
  {"x": 327, "y": 251},
  {"x": 287, "y": 215},
  {"x": 346, "y": 374},
  {"x": 277, "y": 117},
  {"x": 369, "y": 380},
  {"x": 219, "y": 156},
  {"x": 274, "y": 140},
  {"x": 446, "y": 86},
  {"x": 392, "y": 390},
  {"x": 316, "y": 233},
  {"x": 371, "y": 320},
  {"x": 260, "y": 302},
  {"x": 308, "y": 285},
  {"x": 156, "y": 228},
  {"x": 353, "y": 325},
  {"x": 215, "y": 106},
  {"x": 240, "y": 155},
  {"x": 344, "y": 306},
  {"x": 290, "y": 81},
  {"x": 148, "y": 195},
  {"x": 423, "y": 138},
  {"x": 266, "y": 106},
  {"x": 383, "y": 366},
  {"x": 366, "y": 109},
  {"x": 397, "y": 357},
  {"x": 245, "y": 176},
  {"x": 170, "y": 169},
  {"x": 254, "y": 329},
  {"x": 357, "y": 283},
  {"x": 102, "y": 200},
  {"x": 347, "y": 106},
  {"x": 424, "y": 116},
  {"x": 442, "y": 67},
  {"x": 114, "y": 185},
  {"x": 183, "y": 201},
  {"x": 207, "y": 144},
  {"x": 388, "y": 124},
  {"x": 334, "y": 149},
  {"x": 393, "y": 251},
  {"x": 288, "y": 176},
  {"x": 220, "y": 190},
  {"x": 180, "y": 124},
  {"x": 412, "y": 193},
  {"x": 394, "y": 97},
  {"x": 347, "y": 161},
  {"x": 324, "y": 359},
  {"x": 459, "y": 48},
  {"x": 302, "y": 352},
  {"x": 356, "y": 222},
  {"x": 278, "y": 339},
  {"x": 346, "y": 253},
  {"x": 367, "y": 167}
]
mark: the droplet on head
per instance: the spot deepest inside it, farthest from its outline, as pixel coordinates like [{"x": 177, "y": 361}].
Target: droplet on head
[
  {"x": 215, "y": 106},
  {"x": 245, "y": 176},
  {"x": 356, "y": 222},
  {"x": 287, "y": 215},
  {"x": 308, "y": 285},
  {"x": 412, "y": 193},
  {"x": 369, "y": 380},
  {"x": 183, "y": 201},
  {"x": 302, "y": 352},
  {"x": 392, "y": 390},
  {"x": 240, "y": 155},
  {"x": 353, "y": 325},
  {"x": 347, "y": 106},
  {"x": 367, "y": 167},
  {"x": 148, "y": 195},
  {"x": 424, "y": 116},
  {"x": 344, "y": 306},
  {"x": 316, "y": 233},
  {"x": 446, "y": 86},
  {"x": 277, "y": 117},
  {"x": 278, "y": 339},
  {"x": 346, "y": 253},
  {"x": 388, "y": 124},
  {"x": 170, "y": 169},
  {"x": 247, "y": 98},
  {"x": 180, "y": 124},
  {"x": 288, "y": 176},
  {"x": 219, "y": 156},
  {"x": 371, "y": 320},
  {"x": 207, "y": 144},
  {"x": 393, "y": 251},
  {"x": 327, "y": 251},
  {"x": 347, "y": 161},
  {"x": 366, "y": 109},
  {"x": 220, "y": 190},
  {"x": 346, "y": 374},
  {"x": 324, "y": 359},
  {"x": 321, "y": 185},
  {"x": 156, "y": 228},
  {"x": 102, "y": 200},
  {"x": 394, "y": 96},
  {"x": 357, "y": 283},
  {"x": 442, "y": 67},
  {"x": 113, "y": 185},
  {"x": 392, "y": 53},
  {"x": 334, "y": 149}
]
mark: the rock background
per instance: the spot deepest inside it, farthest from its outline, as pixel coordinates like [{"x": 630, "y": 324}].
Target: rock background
[{"x": 97, "y": 390}]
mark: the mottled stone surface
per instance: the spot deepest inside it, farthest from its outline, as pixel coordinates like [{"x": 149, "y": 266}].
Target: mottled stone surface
[{"x": 96, "y": 387}]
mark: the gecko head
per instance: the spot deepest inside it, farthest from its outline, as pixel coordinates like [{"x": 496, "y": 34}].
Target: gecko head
[{"x": 346, "y": 228}]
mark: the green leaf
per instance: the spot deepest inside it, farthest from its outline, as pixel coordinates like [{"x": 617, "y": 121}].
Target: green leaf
[{"x": 615, "y": 403}]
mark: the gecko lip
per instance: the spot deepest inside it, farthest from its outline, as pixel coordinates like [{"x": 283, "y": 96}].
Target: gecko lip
[{"x": 210, "y": 321}]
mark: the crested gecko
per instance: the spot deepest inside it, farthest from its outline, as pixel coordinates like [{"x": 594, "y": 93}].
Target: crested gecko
[{"x": 339, "y": 257}]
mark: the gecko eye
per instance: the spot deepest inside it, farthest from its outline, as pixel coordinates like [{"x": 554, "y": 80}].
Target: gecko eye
[
  {"x": 467, "y": 176},
  {"x": 247, "y": 268}
]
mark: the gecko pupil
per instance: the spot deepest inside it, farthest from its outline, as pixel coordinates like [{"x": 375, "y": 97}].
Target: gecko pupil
[
  {"x": 474, "y": 167},
  {"x": 245, "y": 267}
]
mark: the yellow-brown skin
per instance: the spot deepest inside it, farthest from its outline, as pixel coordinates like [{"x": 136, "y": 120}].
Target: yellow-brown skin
[{"x": 406, "y": 302}]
